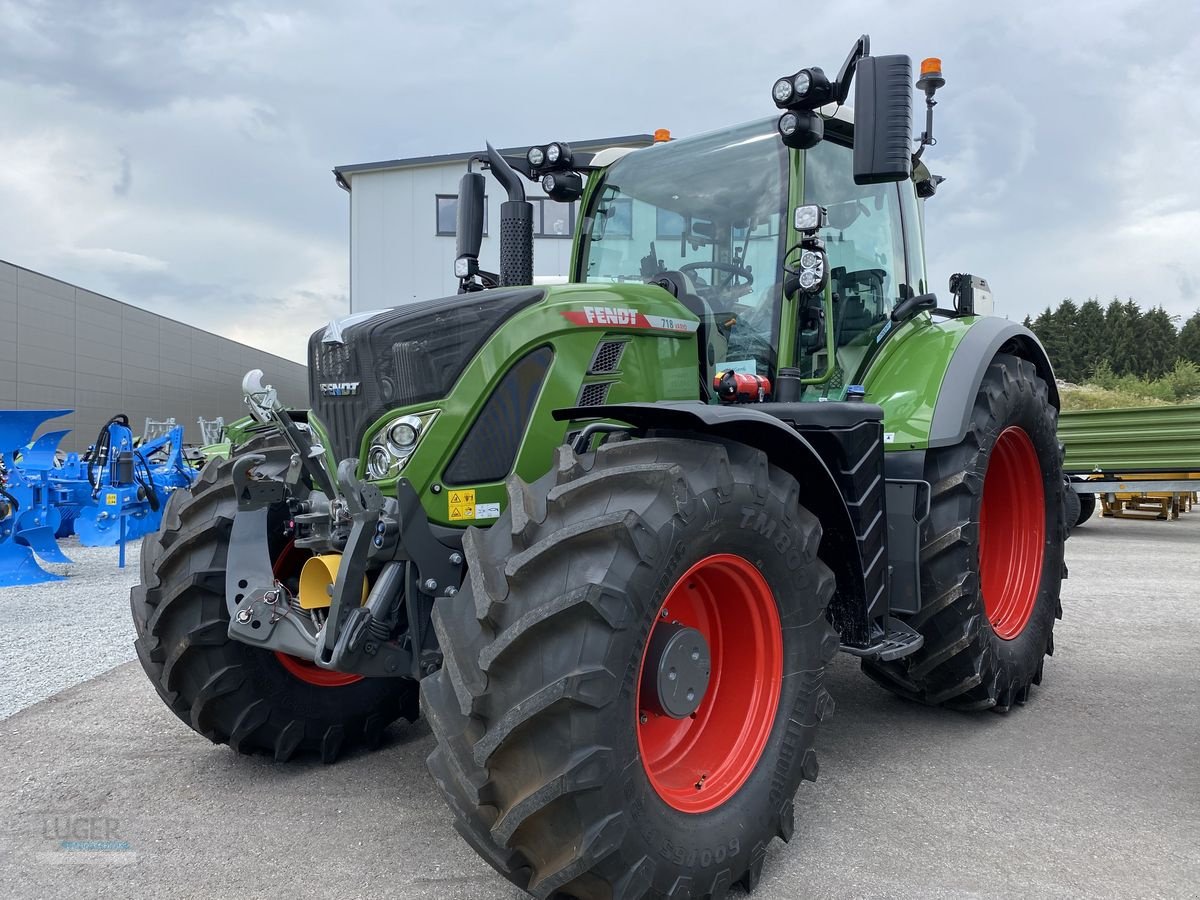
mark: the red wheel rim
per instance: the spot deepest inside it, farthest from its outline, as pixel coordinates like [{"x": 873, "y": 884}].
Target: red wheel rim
[
  {"x": 288, "y": 565},
  {"x": 697, "y": 763},
  {"x": 1012, "y": 533}
]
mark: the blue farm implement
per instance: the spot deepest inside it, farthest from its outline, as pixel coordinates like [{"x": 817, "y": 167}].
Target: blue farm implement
[
  {"x": 128, "y": 485},
  {"x": 113, "y": 494},
  {"x": 29, "y": 499}
]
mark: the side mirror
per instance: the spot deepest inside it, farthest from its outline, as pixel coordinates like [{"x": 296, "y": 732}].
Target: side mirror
[
  {"x": 883, "y": 119},
  {"x": 468, "y": 225}
]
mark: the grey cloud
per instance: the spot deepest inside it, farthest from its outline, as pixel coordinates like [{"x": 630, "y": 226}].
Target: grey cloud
[{"x": 1049, "y": 130}]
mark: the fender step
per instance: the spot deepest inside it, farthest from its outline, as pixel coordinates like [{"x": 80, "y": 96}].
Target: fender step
[{"x": 899, "y": 640}]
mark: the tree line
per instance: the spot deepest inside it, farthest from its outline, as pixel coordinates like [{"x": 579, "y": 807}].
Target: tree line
[{"x": 1086, "y": 340}]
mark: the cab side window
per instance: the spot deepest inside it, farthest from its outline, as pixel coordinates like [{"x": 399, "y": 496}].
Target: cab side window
[{"x": 865, "y": 243}]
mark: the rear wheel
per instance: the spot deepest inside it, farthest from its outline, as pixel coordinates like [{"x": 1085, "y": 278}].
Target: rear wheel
[
  {"x": 250, "y": 698},
  {"x": 991, "y": 554},
  {"x": 634, "y": 674}
]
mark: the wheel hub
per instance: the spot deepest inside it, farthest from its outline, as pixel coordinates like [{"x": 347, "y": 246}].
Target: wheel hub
[{"x": 675, "y": 673}]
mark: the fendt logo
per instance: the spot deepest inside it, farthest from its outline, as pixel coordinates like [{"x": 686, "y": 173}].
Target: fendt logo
[
  {"x": 609, "y": 315},
  {"x": 339, "y": 388},
  {"x": 629, "y": 318}
]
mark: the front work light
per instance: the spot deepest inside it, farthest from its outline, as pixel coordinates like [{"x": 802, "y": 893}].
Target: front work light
[
  {"x": 801, "y": 129},
  {"x": 782, "y": 92},
  {"x": 536, "y": 156},
  {"x": 807, "y": 89},
  {"x": 563, "y": 186},
  {"x": 809, "y": 219}
]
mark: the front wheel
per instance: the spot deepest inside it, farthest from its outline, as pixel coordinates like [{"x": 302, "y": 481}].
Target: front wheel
[
  {"x": 254, "y": 700},
  {"x": 634, "y": 674},
  {"x": 991, "y": 552}
]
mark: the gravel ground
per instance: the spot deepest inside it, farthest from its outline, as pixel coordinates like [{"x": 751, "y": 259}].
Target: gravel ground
[
  {"x": 1091, "y": 790},
  {"x": 70, "y": 630}
]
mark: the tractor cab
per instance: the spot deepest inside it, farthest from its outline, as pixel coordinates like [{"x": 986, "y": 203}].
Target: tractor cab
[{"x": 708, "y": 218}]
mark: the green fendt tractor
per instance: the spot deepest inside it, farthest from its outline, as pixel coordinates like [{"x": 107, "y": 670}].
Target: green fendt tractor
[{"x": 609, "y": 534}]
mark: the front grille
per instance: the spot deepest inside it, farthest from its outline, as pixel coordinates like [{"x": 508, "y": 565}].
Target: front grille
[
  {"x": 607, "y": 357},
  {"x": 594, "y": 394},
  {"x": 399, "y": 357}
]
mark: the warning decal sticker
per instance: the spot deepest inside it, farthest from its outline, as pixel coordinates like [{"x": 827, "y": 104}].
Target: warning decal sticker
[{"x": 462, "y": 505}]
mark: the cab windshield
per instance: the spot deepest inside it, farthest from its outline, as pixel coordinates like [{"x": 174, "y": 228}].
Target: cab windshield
[{"x": 711, "y": 208}]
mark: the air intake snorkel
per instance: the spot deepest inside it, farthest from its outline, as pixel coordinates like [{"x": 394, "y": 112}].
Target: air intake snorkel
[{"x": 516, "y": 224}]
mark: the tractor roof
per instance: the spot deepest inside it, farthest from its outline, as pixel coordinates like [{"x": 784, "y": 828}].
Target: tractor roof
[{"x": 340, "y": 173}]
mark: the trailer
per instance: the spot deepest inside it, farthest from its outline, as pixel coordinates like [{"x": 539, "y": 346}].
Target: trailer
[{"x": 1127, "y": 456}]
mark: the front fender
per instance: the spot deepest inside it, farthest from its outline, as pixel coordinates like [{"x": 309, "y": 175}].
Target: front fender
[{"x": 927, "y": 375}]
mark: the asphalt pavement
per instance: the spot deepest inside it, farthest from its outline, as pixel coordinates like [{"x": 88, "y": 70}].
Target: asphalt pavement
[{"x": 1090, "y": 790}]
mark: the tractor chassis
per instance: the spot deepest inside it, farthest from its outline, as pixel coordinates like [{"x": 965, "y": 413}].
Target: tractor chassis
[{"x": 365, "y": 527}]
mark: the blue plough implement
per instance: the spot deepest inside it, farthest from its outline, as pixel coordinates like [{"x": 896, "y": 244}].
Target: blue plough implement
[{"x": 113, "y": 494}]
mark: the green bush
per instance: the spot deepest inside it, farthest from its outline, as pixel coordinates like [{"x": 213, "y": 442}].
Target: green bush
[
  {"x": 1106, "y": 390},
  {"x": 1184, "y": 380}
]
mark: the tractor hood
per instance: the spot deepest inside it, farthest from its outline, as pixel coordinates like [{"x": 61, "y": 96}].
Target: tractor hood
[{"x": 365, "y": 364}]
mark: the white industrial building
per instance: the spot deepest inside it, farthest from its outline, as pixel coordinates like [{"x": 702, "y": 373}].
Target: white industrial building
[{"x": 402, "y": 214}]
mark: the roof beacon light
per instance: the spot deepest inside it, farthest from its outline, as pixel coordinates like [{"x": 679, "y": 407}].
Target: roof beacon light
[
  {"x": 662, "y": 135},
  {"x": 931, "y": 79},
  {"x": 931, "y": 74}
]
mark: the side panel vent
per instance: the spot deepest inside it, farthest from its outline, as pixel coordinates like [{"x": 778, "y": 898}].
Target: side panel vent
[
  {"x": 594, "y": 394},
  {"x": 607, "y": 357},
  {"x": 490, "y": 448}
]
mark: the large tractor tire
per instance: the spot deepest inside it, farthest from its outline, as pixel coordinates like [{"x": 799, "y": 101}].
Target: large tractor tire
[
  {"x": 254, "y": 700},
  {"x": 991, "y": 552},
  {"x": 634, "y": 674}
]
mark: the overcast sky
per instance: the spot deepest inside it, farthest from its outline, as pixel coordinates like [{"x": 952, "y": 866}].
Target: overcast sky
[{"x": 176, "y": 154}]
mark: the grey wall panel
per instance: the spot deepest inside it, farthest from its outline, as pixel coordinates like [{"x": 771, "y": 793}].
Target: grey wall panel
[{"x": 66, "y": 347}]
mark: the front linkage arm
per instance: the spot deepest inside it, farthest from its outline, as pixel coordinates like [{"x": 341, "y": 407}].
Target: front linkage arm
[{"x": 373, "y": 531}]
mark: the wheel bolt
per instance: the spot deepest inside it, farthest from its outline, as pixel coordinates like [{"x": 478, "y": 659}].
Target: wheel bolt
[
  {"x": 665, "y": 613},
  {"x": 643, "y": 718}
]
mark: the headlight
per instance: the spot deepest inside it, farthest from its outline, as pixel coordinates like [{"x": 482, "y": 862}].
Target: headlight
[
  {"x": 553, "y": 153},
  {"x": 810, "y": 260},
  {"x": 403, "y": 435},
  {"x": 802, "y": 82},
  {"x": 379, "y": 463},
  {"x": 782, "y": 91},
  {"x": 788, "y": 123},
  {"x": 535, "y": 156},
  {"x": 393, "y": 444}
]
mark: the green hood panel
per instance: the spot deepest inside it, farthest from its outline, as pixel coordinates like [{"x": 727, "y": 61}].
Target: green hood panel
[{"x": 659, "y": 361}]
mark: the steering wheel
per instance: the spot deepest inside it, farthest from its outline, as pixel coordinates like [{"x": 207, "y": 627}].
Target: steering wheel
[{"x": 733, "y": 272}]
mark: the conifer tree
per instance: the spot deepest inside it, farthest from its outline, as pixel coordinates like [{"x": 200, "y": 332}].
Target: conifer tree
[{"x": 1189, "y": 339}]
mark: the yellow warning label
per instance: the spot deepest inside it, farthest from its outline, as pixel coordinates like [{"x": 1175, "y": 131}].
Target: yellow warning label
[
  {"x": 110, "y": 499},
  {"x": 462, "y": 505}
]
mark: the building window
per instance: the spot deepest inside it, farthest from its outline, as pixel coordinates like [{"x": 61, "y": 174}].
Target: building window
[
  {"x": 619, "y": 223},
  {"x": 668, "y": 224},
  {"x": 552, "y": 219},
  {"x": 447, "y": 213}
]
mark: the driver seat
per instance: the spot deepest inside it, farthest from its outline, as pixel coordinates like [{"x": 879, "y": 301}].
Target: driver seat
[{"x": 711, "y": 341}]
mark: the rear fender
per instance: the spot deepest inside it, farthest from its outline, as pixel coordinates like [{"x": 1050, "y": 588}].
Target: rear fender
[{"x": 786, "y": 448}]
